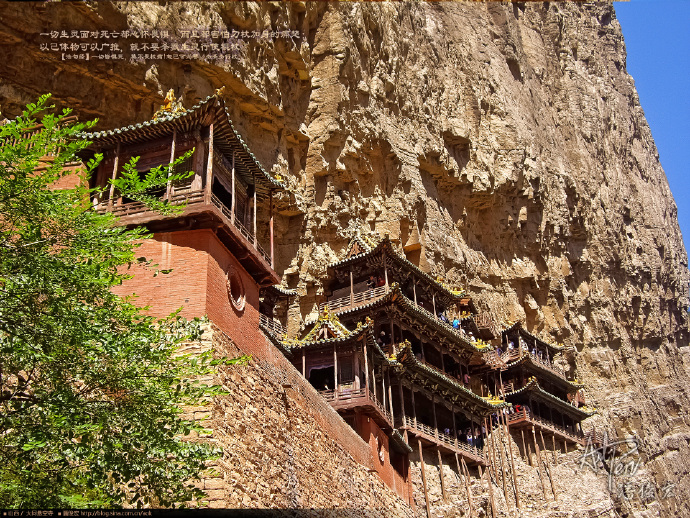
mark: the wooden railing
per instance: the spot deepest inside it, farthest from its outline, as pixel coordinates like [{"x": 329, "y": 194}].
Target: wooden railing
[
  {"x": 485, "y": 321},
  {"x": 439, "y": 436},
  {"x": 525, "y": 415},
  {"x": 272, "y": 326},
  {"x": 28, "y": 133},
  {"x": 358, "y": 299},
  {"x": 342, "y": 396}
]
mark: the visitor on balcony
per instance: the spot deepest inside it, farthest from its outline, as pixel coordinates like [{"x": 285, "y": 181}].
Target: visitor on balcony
[
  {"x": 470, "y": 437},
  {"x": 442, "y": 317},
  {"x": 471, "y": 337},
  {"x": 371, "y": 283},
  {"x": 478, "y": 441},
  {"x": 383, "y": 339},
  {"x": 380, "y": 282},
  {"x": 511, "y": 345},
  {"x": 456, "y": 322}
]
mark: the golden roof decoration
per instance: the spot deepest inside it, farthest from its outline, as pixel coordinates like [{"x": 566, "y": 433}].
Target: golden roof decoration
[{"x": 170, "y": 106}]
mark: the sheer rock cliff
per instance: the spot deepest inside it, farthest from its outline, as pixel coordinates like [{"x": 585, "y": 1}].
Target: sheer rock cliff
[{"x": 510, "y": 137}]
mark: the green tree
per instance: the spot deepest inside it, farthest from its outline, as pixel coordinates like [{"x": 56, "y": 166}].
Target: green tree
[{"x": 90, "y": 387}]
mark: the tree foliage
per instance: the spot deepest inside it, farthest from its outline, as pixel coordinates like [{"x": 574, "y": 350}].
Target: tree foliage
[{"x": 90, "y": 387}]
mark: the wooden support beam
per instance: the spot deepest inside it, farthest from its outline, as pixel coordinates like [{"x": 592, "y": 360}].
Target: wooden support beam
[
  {"x": 304, "y": 364},
  {"x": 467, "y": 485},
  {"x": 385, "y": 270},
  {"x": 352, "y": 290},
  {"x": 390, "y": 397},
  {"x": 414, "y": 407},
  {"x": 433, "y": 407},
  {"x": 555, "y": 456},
  {"x": 421, "y": 464},
  {"x": 524, "y": 448},
  {"x": 414, "y": 291},
  {"x": 440, "y": 470},
  {"x": 512, "y": 465},
  {"x": 502, "y": 455},
  {"x": 540, "y": 467},
  {"x": 547, "y": 469},
  {"x": 491, "y": 489}
]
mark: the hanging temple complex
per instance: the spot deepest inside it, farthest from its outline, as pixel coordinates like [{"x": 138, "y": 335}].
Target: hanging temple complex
[{"x": 406, "y": 360}]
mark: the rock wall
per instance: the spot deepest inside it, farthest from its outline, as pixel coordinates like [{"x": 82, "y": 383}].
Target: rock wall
[{"x": 509, "y": 135}]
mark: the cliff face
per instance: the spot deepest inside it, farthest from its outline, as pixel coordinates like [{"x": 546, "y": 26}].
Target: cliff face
[{"x": 509, "y": 135}]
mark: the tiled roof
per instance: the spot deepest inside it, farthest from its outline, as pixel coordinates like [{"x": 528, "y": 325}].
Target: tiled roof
[
  {"x": 409, "y": 361},
  {"x": 528, "y": 358},
  {"x": 396, "y": 295},
  {"x": 226, "y": 136},
  {"x": 403, "y": 261},
  {"x": 533, "y": 386}
]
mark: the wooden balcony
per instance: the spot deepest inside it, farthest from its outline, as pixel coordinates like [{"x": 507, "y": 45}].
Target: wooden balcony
[
  {"x": 347, "y": 399},
  {"x": 525, "y": 418},
  {"x": 436, "y": 437},
  {"x": 206, "y": 210},
  {"x": 513, "y": 355}
]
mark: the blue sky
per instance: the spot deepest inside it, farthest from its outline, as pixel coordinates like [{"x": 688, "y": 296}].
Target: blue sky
[{"x": 657, "y": 38}]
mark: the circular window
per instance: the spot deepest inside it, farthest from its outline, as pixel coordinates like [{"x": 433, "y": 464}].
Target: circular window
[{"x": 235, "y": 289}]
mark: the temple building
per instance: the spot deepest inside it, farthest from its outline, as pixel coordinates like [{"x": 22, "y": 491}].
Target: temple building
[
  {"x": 543, "y": 398},
  {"x": 220, "y": 248}
]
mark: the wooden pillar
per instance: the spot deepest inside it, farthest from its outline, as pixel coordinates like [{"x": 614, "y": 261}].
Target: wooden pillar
[
  {"x": 414, "y": 290},
  {"x": 433, "y": 406},
  {"x": 304, "y": 364},
  {"x": 421, "y": 463},
  {"x": 385, "y": 269},
  {"x": 392, "y": 333},
  {"x": 555, "y": 457},
  {"x": 358, "y": 382},
  {"x": 455, "y": 430},
  {"x": 335, "y": 370},
  {"x": 270, "y": 223},
  {"x": 352, "y": 289},
  {"x": 209, "y": 168},
  {"x": 440, "y": 470},
  {"x": 116, "y": 162},
  {"x": 232, "y": 190},
  {"x": 443, "y": 365},
  {"x": 366, "y": 370},
  {"x": 390, "y": 397},
  {"x": 254, "y": 218},
  {"x": 168, "y": 187},
  {"x": 402, "y": 404},
  {"x": 433, "y": 303},
  {"x": 383, "y": 386},
  {"x": 414, "y": 407}
]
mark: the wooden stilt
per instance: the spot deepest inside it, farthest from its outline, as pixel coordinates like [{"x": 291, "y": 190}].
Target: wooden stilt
[
  {"x": 555, "y": 455},
  {"x": 304, "y": 364},
  {"x": 491, "y": 489},
  {"x": 467, "y": 486},
  {"x": 116, "y": 162},
  {"x": 502, "y": 457},
  {"x": 421, "y": 464},
  {"x": 461, "y": 474},
  {"x": 440, "y": 470},
  {"x": 524, "y": 448},
  {"x": 540, "y": 467},
  {"x": 547, "y": 469},
  {"x": 512, "y": 466}
]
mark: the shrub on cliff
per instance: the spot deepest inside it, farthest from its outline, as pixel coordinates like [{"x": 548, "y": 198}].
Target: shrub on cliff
[{"x": 90, "y": 388}]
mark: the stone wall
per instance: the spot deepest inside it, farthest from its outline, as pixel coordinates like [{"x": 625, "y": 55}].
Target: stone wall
[{"x": 283, "y": 444}]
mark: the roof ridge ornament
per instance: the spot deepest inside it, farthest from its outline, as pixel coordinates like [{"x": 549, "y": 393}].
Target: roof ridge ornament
[{"x": 170, "y": 106}]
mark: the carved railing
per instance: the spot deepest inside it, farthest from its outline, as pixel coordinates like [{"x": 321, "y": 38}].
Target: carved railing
[
  {"x": 439, "y": 436},
  {"x": 272, "y": 326}
]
